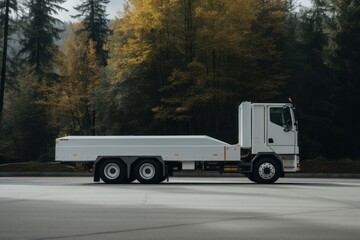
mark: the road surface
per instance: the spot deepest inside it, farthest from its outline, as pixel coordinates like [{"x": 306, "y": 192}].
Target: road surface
[{"x": 185, "y": 208}]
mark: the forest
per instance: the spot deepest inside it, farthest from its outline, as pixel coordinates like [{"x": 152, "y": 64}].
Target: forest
[{"x": 177, "y": 67}]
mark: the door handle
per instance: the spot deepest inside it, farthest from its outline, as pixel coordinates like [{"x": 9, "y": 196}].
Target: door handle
[{"x": 271, "y": 140}]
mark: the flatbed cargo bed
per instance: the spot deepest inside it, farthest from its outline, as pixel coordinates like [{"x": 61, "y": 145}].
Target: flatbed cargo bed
[{"x": 169, "y": 148}]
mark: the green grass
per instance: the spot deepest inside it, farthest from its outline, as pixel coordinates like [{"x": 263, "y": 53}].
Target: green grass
[{"x": 37, "y": 167}]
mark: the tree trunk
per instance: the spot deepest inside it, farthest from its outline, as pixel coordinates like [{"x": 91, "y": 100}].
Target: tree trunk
[{"x": 4, "y": 57}]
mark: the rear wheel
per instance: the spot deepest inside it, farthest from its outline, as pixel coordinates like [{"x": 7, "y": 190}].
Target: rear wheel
[
  {"x": 266, "y": 171},
  {"x": 163, "y": 179},
  {"x": 113, "y": 171},
  {"x": 148, "y": 171}
]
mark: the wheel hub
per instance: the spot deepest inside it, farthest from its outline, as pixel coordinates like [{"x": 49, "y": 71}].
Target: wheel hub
[
  {"x": 267, "y": 170},
  {"x": 112, "y": 171},
  {"x": 147, "y": 171}
]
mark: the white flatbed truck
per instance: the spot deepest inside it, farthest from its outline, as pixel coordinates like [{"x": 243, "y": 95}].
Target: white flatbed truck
[{"x": 267, "y": 149}]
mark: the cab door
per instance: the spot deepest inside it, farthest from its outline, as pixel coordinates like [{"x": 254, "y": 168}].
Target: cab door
[{"x": 281, "y": 134}]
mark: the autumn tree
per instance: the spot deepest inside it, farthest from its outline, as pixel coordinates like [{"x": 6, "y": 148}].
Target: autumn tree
[
  {"x": 237, "y": 55},
  {"x": 74, "y": 94},
  {"x": 193, "y": 62},
  {"x": 93, "y": 14},
  {"x": 142, "y": 51}
]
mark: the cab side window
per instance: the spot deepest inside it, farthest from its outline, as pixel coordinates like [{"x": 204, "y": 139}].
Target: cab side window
[
  {"x": 277, "y": 116},
  {"x": 281, "y": 116}
]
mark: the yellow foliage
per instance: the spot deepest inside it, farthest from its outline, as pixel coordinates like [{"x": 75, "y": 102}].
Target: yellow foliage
[
  {"x": 72, "y": 97},
  {"x": 147, "y": 28},
  {"x": 199, "y": 52}
]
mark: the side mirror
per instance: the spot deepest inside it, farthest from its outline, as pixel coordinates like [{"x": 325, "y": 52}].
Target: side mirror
[{"x": 287, "y": 128}]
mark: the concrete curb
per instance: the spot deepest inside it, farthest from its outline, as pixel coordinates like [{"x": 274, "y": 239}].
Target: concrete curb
[{"x": 180, "y": 174}]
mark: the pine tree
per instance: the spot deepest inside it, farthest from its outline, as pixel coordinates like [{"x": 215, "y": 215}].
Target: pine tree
[
  {"x": 41, "y": 28},
  {"x": 95, "y": 20},
  {"x": 39, "y": 31},
  {"x": 24, "y": 129},
  {"x": 312, "y": 84},
  {"x": 343, "y": 56}
]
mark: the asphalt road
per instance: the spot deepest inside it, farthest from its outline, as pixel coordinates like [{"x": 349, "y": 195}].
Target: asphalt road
[{"x": 184, "y": 208}]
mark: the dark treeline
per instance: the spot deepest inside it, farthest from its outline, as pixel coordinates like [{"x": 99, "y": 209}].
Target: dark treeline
[{"x": 179, "y": 67}]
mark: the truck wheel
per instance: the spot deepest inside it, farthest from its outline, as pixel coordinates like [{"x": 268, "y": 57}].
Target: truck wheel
[
  {"x": 250, "y": 176},
  {"x": 148, "y": 171},
  {"x": 266, "y": 171},
  {"x": 162, "y": 179},
  {"x": 113, "y": 171}
]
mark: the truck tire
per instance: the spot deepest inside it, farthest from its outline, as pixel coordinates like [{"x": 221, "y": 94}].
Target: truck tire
[
  {"x": 113, "y": 171},
  {"x": 162, "y": 179},
  {"x": 250, "y": 176},
  {"x": 148, "y": 171},
  {"x": 265, "y": 171}
]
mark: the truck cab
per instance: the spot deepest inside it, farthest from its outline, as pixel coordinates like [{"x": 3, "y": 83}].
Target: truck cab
[{"x": 269, "y": 131}]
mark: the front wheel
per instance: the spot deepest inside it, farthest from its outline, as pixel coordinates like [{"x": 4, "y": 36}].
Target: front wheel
[
  {"x": 113, "y": 171},
  {"x": 250, "y": 177},
  {"x": 266, "y": 171}
]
